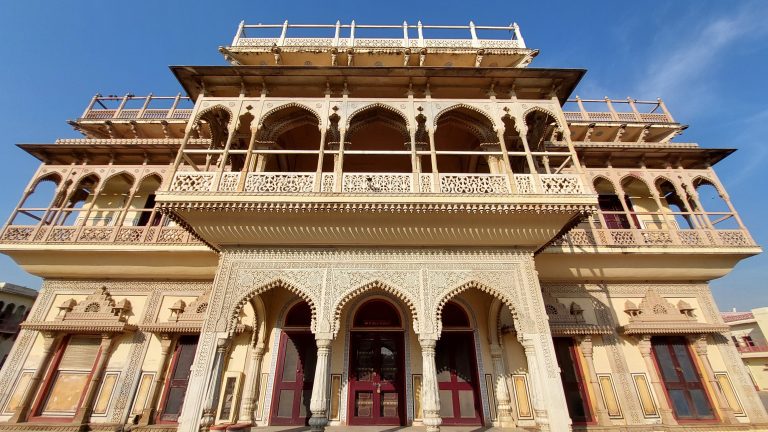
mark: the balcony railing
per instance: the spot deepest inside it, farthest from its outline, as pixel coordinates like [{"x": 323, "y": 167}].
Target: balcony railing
[
  {"x": 333, "y": 37},
  {"x": 752, "y": 349},
  {"x": 141, "y": 108},
  {"x": 385, "y": 183},
  {"x": 159, "y": 235},
  {"x": 580, "y": 237},
  {"x": 630, "y": 111}
]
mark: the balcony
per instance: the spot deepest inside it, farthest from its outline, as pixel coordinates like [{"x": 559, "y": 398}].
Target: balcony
[
  {"x": 752, "y": 349},
  {"x": 133, "y": 116},
  {"x": 629, "y": 120},
  {"x": 107, "y": 224},
  {"x": 373, "y": 45},
  {"x": 667, "y": 238}
]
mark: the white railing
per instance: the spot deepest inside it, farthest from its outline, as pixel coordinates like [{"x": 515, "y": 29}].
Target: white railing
[
  {"x": 664, "y": 238},
  {"x": 388, "y": 183},
  {"x": 377, "y": 183}
]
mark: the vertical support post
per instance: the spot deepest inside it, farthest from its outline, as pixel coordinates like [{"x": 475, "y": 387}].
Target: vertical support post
[
  {"x": 174, "y": 105},
  {"x": 145, "y": 106},
  {"x": 518, "y": 36},
  {"x": 503, "y": 398},
  {"x": 281, "y": 41},
  {"x": 122, "y": 104},
  {"x": 644, "y": 345},
  {"x": 663, "y": 107},
  {"x": 539, "y": 406},
  {"x": 406, "y": 40},
  {"x": 337, "y": 33},
  {"x": 209, "y": 409},
  {"x": 50, "y": 344},
  {"x": 420, "y": 30},
  {"x": 251, "y": 390},
  {"x": 238, "y": 34},
  {"x": 90, "y": 105},
  {"x": 430, "y": 393},
  {"x": 586, "y": 346},
  {"x": 699, "y": 343},
  {"x": 608, "y": 103},
  {"x": 352, "y": 34},
  {"x": 632, "y": 105},
  {"x": 166, "y": 344},
  {"x": 523, "y": 130},
  {"x": 83, "y": 413},
  {"x": 318, "y": 403},
  {"x": 473, "y": 33}
]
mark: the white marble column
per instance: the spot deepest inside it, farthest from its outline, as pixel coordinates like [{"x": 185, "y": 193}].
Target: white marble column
[
  {"x": 209, "y": 409},
  {"x": 318, "y": 404},
  {"x": 430, "y": 396},
  {"x": 537, "y": 386},
  {"x": 503, "y": 398},
  {"x": 251, "y": 390}
]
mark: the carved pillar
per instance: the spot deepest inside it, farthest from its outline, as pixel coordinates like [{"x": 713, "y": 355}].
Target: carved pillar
[
  {"x": 318, "y": 404},
  {"x": 251, "y": 390},
  {"x": 699, "y": 344},
  {"x": 433, "y": 160},
  {"x": 523, "y": 132},
  {"x": 209, "y": 409},
  {"x": 248, "y": 159},
  {"x": 585, "y": 345},
  {"x": 503, "y": 398},
  {"x": 83, "y": 413},
  {"x": 664, "y": 410},
  {"x": 537, "y": 387},
  {"x": 430, "y": 396},
  {"x": 50, "y": 343},
  {"x": 166, "y": 343}
]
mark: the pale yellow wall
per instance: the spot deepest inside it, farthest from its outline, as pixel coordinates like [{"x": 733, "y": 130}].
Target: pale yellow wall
[
  {"x": 758, "y": 368},
  {"x": 163, "y": 313}
]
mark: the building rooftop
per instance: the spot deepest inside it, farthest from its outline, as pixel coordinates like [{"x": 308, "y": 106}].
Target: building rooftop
[
  {"x": 736, "y": 316},
  {"x": 10, "y": 288}
]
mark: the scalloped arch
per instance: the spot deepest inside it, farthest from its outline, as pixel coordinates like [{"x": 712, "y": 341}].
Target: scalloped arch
[
  {"x": 706, "y": 180},
  {"x": 602, "y": 177},
  {"x": 467, "y": 107},
  {"x": 636, "y": 177},
  {"x": 506, "y": 299},
  {"x": 276, "y": 283},
  {"x": 51, "y": 177},
  {"x": 660, "y": 178},
  {"x": 212, "y": 109},
  {"x": 86, "y": 175},
  {"x": 383, "y": 106},
  {"x": 545, "y": 111},
  {"x": 148, "y": 175},
  {"x": 374, "y": 285},
  {"x": 278, "y": 108},
  {"x": 115, "y": 174}
]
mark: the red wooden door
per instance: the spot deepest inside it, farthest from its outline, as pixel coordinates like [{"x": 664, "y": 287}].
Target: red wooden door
[
  {"x": 457, "y": 379},
  {"x": 376, "y": 379},
  {"x": 177, "y": 380},
  {"x": 685, "y": 391},
  {"x": 573, "y": 381},
  {"x": 294, "y": 376}
]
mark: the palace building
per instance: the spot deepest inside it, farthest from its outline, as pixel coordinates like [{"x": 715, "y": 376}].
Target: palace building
[{"x": 338, "y": 229}]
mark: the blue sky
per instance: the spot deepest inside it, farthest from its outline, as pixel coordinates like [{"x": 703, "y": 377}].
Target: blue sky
[{"x": 707, "y": 59}]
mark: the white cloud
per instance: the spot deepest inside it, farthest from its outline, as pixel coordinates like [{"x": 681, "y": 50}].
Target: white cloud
[{"x": 685, "y": 60}]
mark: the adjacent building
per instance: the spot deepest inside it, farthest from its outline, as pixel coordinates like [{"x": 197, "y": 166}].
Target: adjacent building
[
  {"x": 15, "y": 302},
  {"x": 748, "y": 336},
  {"x": 353, "y": 230}
]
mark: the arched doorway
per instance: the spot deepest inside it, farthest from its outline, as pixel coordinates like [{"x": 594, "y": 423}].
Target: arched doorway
[
  {"x": 295, "y": 372},
  {"x": 376, "y": 366},
  {"x": 456, "y": 365}
]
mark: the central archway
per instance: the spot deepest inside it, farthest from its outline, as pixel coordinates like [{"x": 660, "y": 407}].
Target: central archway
[{"x": 376, "y": 385}]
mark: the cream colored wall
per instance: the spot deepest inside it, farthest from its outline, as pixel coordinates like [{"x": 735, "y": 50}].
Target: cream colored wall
[
  {"x": 752, "y": 330},
  {"x": 758, "y": 368}
]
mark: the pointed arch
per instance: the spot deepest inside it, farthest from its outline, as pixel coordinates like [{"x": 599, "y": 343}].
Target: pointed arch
[
  {"x": 471, "y": 119},
  {"x": 400, "y": 294},
  {"x": 275, "y": 283},
  {"x": 627, "y": 177},
  {"x": 51, "y": 177},
  {"x": 446, "y": 297},
  {"x": 378, "y": 105},
  {"x": 542, "y": 110},
  {"x": 286, "y": 106},
  {"x": 212, "y": 109},
  {"x": 701, "y": 179},
  {"x": 601, "y": 177},
  {"x": 457, "y": 106},
  {"x": 123, "y": 173}
]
